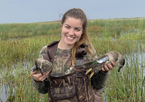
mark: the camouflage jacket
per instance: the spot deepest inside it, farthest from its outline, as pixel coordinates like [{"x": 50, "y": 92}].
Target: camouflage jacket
[{"x": 85, "y": 91}]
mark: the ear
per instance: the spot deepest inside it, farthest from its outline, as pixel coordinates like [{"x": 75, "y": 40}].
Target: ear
[{"x": 61, "y": 25}]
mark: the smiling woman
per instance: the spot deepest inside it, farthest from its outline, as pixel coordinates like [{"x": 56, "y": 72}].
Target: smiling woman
[
  {"x": 66, "y": 81},
  {"x": 71, "y": 32}
]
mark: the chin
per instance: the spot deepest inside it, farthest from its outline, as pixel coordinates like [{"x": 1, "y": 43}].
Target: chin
[{"x": 69, "y": 43}]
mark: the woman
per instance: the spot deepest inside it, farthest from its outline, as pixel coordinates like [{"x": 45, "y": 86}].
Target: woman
[{"x": 65, "y": 82}]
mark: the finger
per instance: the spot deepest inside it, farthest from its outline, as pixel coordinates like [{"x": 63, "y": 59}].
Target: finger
[
  {"x": 45, "y": 74},
  {"x": 37, "y": 76},
  {"x": 42, "y": 78},
  {"x": 113, "y": 63},
  {"x": 109, "y": 65},
  {"x": 106, "y": 68},
  {"x": 48, "y": 72},
  {"x": 33, "y": 72},
  {"x": 103, "y": 69}
]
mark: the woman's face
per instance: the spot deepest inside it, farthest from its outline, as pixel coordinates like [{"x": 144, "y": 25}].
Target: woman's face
[{"x": 71, "y": 31}]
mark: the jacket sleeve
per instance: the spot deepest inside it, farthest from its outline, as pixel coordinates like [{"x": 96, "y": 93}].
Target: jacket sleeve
[
  {"x": 41, "y": 86},
  {"x": 98, "y": 80}
]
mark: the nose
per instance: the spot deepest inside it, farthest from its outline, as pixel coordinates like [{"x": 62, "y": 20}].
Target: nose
[{"x": 71, "y": 32}]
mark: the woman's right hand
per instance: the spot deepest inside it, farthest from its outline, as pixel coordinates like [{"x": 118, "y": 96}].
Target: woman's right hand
[{"x": 39, "y": 76}]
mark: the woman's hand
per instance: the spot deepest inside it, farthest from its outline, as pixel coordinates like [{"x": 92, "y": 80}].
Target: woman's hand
[
  {"x": 109, "y": 66},
  {"x": 39, "y": 76}
]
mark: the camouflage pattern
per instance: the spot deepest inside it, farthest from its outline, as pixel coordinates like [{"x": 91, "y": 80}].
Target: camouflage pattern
[
  {"x": 62, "y": 63},
  {"x": 63, "y": 78}
]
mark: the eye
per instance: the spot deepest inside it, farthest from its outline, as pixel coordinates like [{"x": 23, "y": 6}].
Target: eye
[
  {"x": 77, "y": 29},
  {"x": 67, "y": 26}
]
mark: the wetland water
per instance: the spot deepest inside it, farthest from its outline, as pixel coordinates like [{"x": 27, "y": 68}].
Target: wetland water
[
  {"x": 4, "y": 88},
  {"x": 4, "y": 93}
]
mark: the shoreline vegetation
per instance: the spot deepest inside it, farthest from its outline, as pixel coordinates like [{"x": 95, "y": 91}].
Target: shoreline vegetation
[{"x": 20, "y": 45}]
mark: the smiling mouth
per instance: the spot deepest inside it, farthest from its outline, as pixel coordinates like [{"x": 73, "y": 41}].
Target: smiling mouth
[{"x": 70, "y": 38}]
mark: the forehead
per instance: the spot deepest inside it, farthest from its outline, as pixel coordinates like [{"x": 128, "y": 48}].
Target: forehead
[{"x": 73, "y": 22}]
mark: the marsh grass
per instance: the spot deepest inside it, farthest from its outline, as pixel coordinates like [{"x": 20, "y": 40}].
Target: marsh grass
[
  {"x": 23, "y": 49},
  {"x": 126, "y": 85},
  {"x": 28, "y": 30},
  {"x": 21, "y": 88},
  {"x": 115, "y": 27},
  {"x": 18, "y": 55}
]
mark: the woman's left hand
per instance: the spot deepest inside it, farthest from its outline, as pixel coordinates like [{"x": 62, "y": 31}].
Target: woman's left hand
[{"x": 109, "y": 66}]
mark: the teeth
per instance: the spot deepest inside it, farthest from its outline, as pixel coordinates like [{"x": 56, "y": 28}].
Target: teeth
[{"x": 69, "y": 37}]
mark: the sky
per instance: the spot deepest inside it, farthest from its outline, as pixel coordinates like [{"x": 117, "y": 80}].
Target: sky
[{"x": 30, "y": 11}]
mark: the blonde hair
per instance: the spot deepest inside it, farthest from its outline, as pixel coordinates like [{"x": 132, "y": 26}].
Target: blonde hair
[{"x": 79, "y": 14}]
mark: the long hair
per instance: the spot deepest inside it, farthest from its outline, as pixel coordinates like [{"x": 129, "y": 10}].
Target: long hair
[{"x": 79, "y": 14}]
